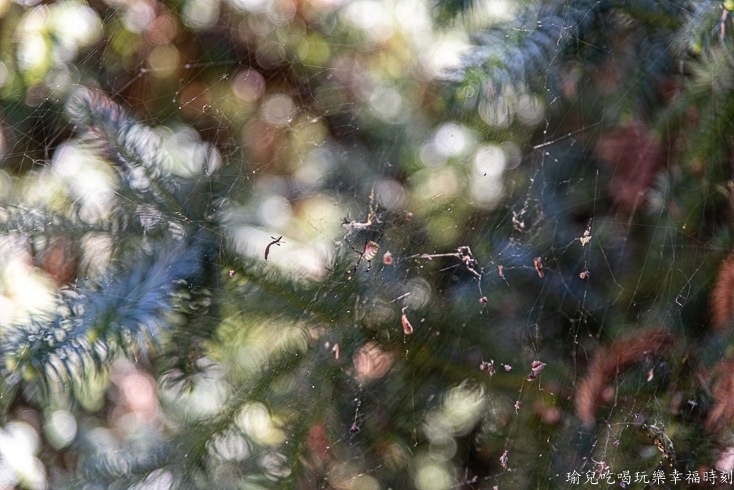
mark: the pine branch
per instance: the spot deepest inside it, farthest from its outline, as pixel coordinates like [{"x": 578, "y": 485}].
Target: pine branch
[
  {"x": 122, "y": 466},
  {"x": 144, "y": 164},
  {"x": 38, "y": 220},
  {"x": 129, "y": 314},
  {"x": 514, "y": 57},
  {"x": 530, "y": 54},
  {"x": 325, "y": 300}
]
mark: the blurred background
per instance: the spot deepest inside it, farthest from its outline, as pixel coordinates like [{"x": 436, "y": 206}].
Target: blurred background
[{"x": 365, "y": 244}]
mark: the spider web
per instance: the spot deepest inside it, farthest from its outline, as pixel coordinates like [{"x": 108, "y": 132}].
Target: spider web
[{"x": 473, "y": 283}]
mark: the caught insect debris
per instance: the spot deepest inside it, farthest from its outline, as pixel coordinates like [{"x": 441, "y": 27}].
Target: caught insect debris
[
  {"x": 470, "y": 262},
  {"x": 487, "y": 366},
  {"x": 276, "y": 241},
  {"x": 462, "y": 253},
  {"x": 504, "y": 459},
  {"x": 467, "y": 260},
  {"x": 501, "y": 271},
  {"x": 584, "y": 274},
  {"x": 483, "y": 300},
  {"x": 586, "y": 238},
  {"x": 231, "y": 273},
  {"x": 355, "y": 427},
  {"x": 387, "y": 258},
  {"x": 661, "y": 441},
  {"x": 538, "y": 264},
  {"x": 535, "y": 368},
  {"x": 368, "y": 253},
  {"x": 407, "y": 327},
  {"x": 368, "y": 223}
]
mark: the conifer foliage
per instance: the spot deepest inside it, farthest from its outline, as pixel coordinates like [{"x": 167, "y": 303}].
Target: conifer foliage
[{"x": 273, "y": 245}]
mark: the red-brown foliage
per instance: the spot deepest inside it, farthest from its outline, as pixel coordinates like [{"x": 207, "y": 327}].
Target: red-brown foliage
[
  {"x": 722, "y": 297},
  {"x": 610, "y": 361},
  {"x": 59, "y": 261},
  {"x": 722, "y": 389},
  {"x": 636, "y": 156},
  {"x": 319, "y": 445}
]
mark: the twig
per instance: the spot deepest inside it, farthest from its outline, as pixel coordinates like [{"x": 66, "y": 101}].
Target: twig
[{"x": 276, "y": 241}]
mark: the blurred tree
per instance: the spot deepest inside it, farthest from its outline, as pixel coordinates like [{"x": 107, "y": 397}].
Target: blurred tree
[{"x": 305, "y": 244}]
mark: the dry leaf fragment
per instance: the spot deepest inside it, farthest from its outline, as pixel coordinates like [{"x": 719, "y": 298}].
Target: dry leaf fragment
[
  {"x": 407, "y": 327},
  {"x": 535, "y": 368},
  {"x": 538, "y": 264}
]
